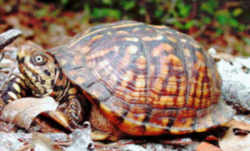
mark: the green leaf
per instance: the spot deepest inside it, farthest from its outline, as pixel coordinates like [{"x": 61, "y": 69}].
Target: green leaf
[
  {"x": 184, "y": 9},
  {"x": 106, "y": 12},
  {"x": 222, "y": 17},
  {"x": 142, "y": 11},
  {"x": 107, "y": 2},
  {"x": 247, "y": 40},
  {"x": 86, "y": 13},
  {"x": 219, "y": 31},
  {"x": 241, "y": 27},
  {"x": 158, "y": 13},
  {"x": 237, "y": 12},
  {"x": 233, "y": 22},
  {"x": 190, "y": 24},
  {"x": 206, "y": 20},
  {"x": 41, "y": 12},
  {"x": 179, "y": 25},
  {"x": 209, "y": 6},
  {"x": 64, "y": 2},
  {"x": 127, "y": 5}
]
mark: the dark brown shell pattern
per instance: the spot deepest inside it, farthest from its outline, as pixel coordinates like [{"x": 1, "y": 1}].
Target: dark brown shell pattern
[{"x": 147, "y": 80}]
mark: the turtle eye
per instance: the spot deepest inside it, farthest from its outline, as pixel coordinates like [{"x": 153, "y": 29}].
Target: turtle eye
[{"x": 39, "y": 60}]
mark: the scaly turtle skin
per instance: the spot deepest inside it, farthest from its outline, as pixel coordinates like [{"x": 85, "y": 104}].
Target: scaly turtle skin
[{"x": 140, "y": 79}]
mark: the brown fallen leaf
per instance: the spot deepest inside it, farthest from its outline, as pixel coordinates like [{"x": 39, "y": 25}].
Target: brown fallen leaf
[
  {"x": 22, "y": 111},
  {"x": 204, "y": 146},
  {"x": 235, "y": 142},
  {"x": 8, "y": 36}
]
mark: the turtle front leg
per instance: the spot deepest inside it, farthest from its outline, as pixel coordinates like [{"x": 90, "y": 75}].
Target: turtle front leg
[
  {"x": 75, "y": 107},
  {"x": 73, "y": 112},
  {"x": 13, "y": 89}
]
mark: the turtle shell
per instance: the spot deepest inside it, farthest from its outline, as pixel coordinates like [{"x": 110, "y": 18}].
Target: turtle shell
[{"x": 145, "y": 79}]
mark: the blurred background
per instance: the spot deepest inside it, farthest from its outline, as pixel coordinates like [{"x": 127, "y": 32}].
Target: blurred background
[{"x": 222, "y": 24}]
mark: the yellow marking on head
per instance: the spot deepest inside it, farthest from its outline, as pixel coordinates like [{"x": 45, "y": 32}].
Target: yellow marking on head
[
  {"x": 12, "y": 95},
  {"x": 17, "y": 87}
]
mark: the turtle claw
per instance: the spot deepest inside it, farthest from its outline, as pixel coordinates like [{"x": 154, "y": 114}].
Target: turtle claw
[{"x": 73, "y": 111}]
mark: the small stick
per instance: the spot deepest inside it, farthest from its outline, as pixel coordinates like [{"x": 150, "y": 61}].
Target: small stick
[{"x": 8, "y": 36}]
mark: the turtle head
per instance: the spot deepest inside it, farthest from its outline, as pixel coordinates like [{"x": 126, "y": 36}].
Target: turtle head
[{"x": 38, "y": 68}]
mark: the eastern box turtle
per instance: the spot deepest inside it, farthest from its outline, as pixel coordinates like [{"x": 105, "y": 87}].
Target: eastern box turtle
[{"x": 140, "y": 80}]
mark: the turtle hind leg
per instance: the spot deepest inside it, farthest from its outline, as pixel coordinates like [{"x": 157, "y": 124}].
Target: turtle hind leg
[{"x": 103, "y": 130}]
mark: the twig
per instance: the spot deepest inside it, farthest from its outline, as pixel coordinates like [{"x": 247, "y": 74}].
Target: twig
[{"x": 8, "y": 36}]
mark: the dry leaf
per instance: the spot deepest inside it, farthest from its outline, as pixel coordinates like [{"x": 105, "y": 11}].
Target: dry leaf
[
  {"x": 204, "y": 146},
  {"x": 22, "y": 111},
  {"x": 232, "y": 142}
]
